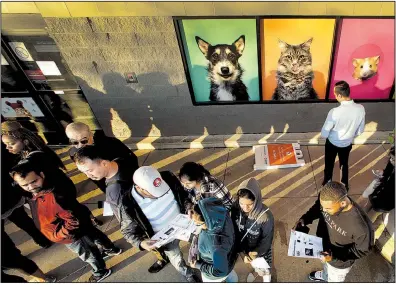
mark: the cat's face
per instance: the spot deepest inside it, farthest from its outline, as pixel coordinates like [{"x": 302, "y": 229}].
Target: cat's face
[{"x": 295, "y": 58}]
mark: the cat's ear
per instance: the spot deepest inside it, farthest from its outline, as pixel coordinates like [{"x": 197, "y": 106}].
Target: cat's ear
[
  {"x": 307, "y": 44},
  {"x": 377, "y": 59},
  {"x": 240, "y": 44},
  {"x": 203, "y": 46},
  {"x": 282, "y": 45},
  {"x": 355, "y": 62}
]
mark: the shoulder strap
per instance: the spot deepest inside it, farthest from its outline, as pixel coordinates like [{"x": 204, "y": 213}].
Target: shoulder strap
[{"x": 253, "y": 224}]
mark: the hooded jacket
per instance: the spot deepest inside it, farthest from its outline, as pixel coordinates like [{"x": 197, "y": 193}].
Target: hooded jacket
[
  {"x": 217, "y": 253},
  {"x": 260, "y": 221}
]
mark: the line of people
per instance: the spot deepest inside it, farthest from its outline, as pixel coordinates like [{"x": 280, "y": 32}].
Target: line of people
[{"x": 144, "y": 201}]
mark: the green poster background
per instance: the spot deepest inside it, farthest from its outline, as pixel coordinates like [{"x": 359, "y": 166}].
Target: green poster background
[{"x": 220, "y": 31}]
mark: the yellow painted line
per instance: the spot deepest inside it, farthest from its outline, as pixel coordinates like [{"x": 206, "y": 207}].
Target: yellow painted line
[
  {"x": 370, "y": 165},
  {"x": 379, "y": 231},
  {"x": 141, "y": 152},
  {"x": 232, "y": 162},
  {"x": 62, "y": 150},
  {"x": 89, "y": 195},
  {"x": 174, "y": 158},
  {"x": 257, "y": 177},
  {"x": 389, "y": 248},
  {"x": 65, "y": 158},
  {"x": 197, "y": 143},
  {"x": 266, "y": 137},
  {"x": 360, "y": 160},
  {"x": 78, "y": 178},
  {"x": 71, "y": 166},
  {"x": 11, "y": 228},
  {"x": 214, "y": 156}
]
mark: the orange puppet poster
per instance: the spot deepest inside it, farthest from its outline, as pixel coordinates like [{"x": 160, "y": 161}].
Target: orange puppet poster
[{"x": 273, "y": 156}]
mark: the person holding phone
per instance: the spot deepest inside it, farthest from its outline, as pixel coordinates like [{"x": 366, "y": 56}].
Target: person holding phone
[{"x": 345, "y": 229}]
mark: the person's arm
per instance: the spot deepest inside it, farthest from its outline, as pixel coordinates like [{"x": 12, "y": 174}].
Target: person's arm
[
  {"x": 328, "y": 125},
  {"x": 267, "y": 229},
  {"x": 361, "y": 247},
  {"x": 312, "y": 214},
  {"x": 130, "y": 229},
  {"x": 221, "y": 192},
  {"x": 219, "y": 268},
  {"x": 177, "y": 188},
  {"x": 360, "y": 130}
]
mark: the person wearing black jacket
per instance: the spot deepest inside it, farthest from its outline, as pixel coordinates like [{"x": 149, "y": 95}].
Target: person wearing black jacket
[
  {"x": 345, "y": 229},
  {"x": 382, "y": 200},
  {"x": 80, "y": 135},
  {"x": 154, "y": 200}
]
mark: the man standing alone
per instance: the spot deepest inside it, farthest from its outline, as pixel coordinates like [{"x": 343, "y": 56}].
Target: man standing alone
[{"x": 342, "y": 125}]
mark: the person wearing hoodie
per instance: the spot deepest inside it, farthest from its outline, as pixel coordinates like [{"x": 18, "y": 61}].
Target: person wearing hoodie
[
  {"x": 216, "y": 241},
  {"x": 254, "y": 224}
]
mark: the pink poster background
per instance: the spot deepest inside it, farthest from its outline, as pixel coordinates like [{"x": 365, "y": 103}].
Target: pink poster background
[{"x": 361, "y": 38}]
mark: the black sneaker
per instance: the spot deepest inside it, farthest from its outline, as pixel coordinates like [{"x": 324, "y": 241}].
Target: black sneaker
[
  {"x": 158, "y": 266},
  {"x": 50, "y": 279},
  {"x": 96, "y": 222},
  {"x": 316, "y": 276},
  {"x": 94, "y": 278},
  {"x": 111, "y": 252},
  {"x": 193, "y": 279}
]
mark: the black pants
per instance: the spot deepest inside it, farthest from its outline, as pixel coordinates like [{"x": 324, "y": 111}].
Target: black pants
[
  {"x": 21, "y": 219},
  {"x": 99, "y": 238},
  {"x": 331, "y": 152}
]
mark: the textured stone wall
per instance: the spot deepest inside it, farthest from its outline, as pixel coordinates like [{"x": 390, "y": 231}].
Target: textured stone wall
[{"x": 99, "y": 50}]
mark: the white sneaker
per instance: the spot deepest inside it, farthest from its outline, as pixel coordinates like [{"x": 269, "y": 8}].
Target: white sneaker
[{"x": 316, "y": 276}]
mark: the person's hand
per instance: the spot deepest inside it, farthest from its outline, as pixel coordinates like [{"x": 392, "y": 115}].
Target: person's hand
[
  {"x": 193, "y": 263},
  {"x": 325, "y": 256},
  {"x": 253, "y": 255},
  {"x": 300, "y": 223},
  {"x": 190, "y": 213},
  {"x": 247, "y": 259},
  {"x": 147, "y": 244}
]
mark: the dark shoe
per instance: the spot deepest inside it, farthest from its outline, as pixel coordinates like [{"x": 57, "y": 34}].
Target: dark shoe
[
  {"x": 96, "y": 222},
  {"x": 94, "y": 278},
  {"x": 111, "y": 252},
  {"x": 157, "y": 266},
  {"x": 193, "y": 279},
  {"x": 316, "y": 276},
  {"x": 50, "y": 279}
]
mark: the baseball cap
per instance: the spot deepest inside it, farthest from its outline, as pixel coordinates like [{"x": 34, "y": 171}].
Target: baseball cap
[{"x": 149, "y": 179}]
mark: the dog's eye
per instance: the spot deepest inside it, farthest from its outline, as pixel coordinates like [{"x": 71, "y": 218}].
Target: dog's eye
[
  {"x": 215, "y": 56},
  {"x": 370, "y": 66},
  {"x": 361, "y": 66}
]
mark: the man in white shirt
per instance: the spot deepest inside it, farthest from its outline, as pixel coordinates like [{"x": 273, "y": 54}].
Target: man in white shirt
[{"x": 342, "y": 125}]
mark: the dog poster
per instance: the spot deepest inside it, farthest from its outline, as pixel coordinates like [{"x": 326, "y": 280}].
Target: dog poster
[
  {"x": 20, "y": 108},
  {"x": 295, "y": 56},
  {"x": 222, "y": 59},
  {"x": 365, "y": 58}
]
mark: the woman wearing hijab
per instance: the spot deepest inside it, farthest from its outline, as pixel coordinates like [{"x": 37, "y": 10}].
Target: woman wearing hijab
[
  {"x": 255, "y": 226},
  {"x": 216, "y": 242}
]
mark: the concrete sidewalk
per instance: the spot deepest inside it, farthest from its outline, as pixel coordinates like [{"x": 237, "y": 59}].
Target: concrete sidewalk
[{"x": 288, "y": 192}]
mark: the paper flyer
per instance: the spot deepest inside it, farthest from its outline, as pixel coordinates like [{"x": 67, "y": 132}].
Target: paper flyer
[
  {"x": 180, "y": 228},
  {"x": 304, "y": 245},
  {"x": 107, "y": 211}
]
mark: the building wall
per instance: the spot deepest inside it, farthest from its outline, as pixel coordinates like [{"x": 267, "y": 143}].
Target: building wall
[{"x": 102, "y": 41}]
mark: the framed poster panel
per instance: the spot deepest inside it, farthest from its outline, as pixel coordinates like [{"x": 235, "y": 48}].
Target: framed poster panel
[
  {"x": 20, "y": 107},
  {"x": 295, "y": 58},
  {"x": 221, "y": 59},
  {"x": 365, "y": 58}
]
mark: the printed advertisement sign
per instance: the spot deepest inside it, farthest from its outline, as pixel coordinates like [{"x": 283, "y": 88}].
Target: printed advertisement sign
[
  {"x": 20, "y": 108},
  {"x": 273, "y": 156}
]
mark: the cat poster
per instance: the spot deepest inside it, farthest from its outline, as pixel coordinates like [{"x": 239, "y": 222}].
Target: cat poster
[
  {"x": 365, "y": 58},
  {"x": 222, "y": 59},
  {"x": 20, "y": 108},
  {"x": 295, "y": 58}
]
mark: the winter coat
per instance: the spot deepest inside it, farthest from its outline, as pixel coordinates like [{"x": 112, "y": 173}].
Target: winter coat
[
  {"x": 259, "y": 239},
  {"x": 216, "y": 244}
]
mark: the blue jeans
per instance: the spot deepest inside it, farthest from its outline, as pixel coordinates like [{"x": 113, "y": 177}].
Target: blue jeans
[
  {"x": 88, "y": 251},
  {"x": 172, "y": 251}
]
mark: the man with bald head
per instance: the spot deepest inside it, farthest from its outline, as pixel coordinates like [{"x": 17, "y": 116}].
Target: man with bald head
[{"x": 79, "y": 135}]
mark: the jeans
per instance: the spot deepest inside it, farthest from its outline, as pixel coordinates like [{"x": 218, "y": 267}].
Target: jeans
[
  {"x": 87, "y": 251},
  {"x": 332, "y": 274},
  {"x": 331, "y": 152},
  {"x": 232, "y": 277},
  {"x": 172, "y": 251},
  {"x": 100, "y": 239}
]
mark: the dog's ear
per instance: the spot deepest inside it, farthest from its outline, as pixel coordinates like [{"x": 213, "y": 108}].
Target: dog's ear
[
  {"x": 203, "y": 46},
  {"x": 240, "y": 44},
  {"x": 355, "y": 62},
  {"x": 376, "y": 59},
  {"x": 307, "y": 44},
  {"x": 282, "y": 45}
]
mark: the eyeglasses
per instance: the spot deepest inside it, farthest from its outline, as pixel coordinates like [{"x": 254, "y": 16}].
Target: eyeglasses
[{"x": 83, "y": 141}]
